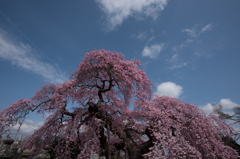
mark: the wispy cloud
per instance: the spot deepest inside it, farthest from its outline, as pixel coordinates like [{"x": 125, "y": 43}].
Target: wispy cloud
[
  {"x": 117, "y": 11},
  {"x": 144, "y": 35},
  {"x": 192, "y": 40},
  {"x": 194, "y": 32},
  {"x": 174, "y": 57},
  {"x": 25, "y": 57},
  {"x": 152, "y": 51},
  {"x": 177, "y": 66},
  {"x": 169, "y": 89},
  {"x": 207, "y": 27},
  {"x": 191, "y": 32},
  {"x": 186, "y": 43},
  {"x": 141, "y": 35},
  {"x": 150, "y": 39}
]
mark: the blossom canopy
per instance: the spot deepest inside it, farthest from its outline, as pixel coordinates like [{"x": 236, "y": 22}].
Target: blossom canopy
[{"x": 103, "y": 88}]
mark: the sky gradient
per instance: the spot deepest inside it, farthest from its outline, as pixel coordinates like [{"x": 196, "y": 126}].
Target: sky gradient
[{"x": 188, "y": 49}]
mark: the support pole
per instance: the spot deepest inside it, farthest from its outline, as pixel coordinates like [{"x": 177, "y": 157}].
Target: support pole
[
  {"x": 18, "y": 130},
  {"x": 109, "y": 153}
]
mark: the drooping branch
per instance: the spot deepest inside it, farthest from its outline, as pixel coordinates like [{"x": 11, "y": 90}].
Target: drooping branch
[
  {"x": 63, "y": 111},
  {"x": 169, "y": 118}
]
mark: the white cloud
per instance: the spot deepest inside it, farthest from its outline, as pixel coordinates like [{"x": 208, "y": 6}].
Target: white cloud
[
  {"x": 207, "y": 27},
  {"x": 169, "y": 89},
  {"x": 119, "y": 10},
  {"x": 152, "y": 51},
  {"x": 207, "y": 108},
  {"x": 227, "y": 104},
  {"x": 25, "y": 57}
]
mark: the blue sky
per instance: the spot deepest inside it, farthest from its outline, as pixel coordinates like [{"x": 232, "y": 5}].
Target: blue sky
[{"x": 189, "y": 49}]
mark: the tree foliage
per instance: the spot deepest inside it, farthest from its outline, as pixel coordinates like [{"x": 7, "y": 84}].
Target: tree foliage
[{"x": 103, "y": 87}]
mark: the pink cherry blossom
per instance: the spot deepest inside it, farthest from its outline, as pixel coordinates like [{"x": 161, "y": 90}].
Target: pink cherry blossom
[{"x": 103, "y": 88}]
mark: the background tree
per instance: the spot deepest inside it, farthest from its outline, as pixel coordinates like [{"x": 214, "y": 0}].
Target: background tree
[
  {"x": 217, "y": 109},
  {"x": 103, "y": 87}
]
